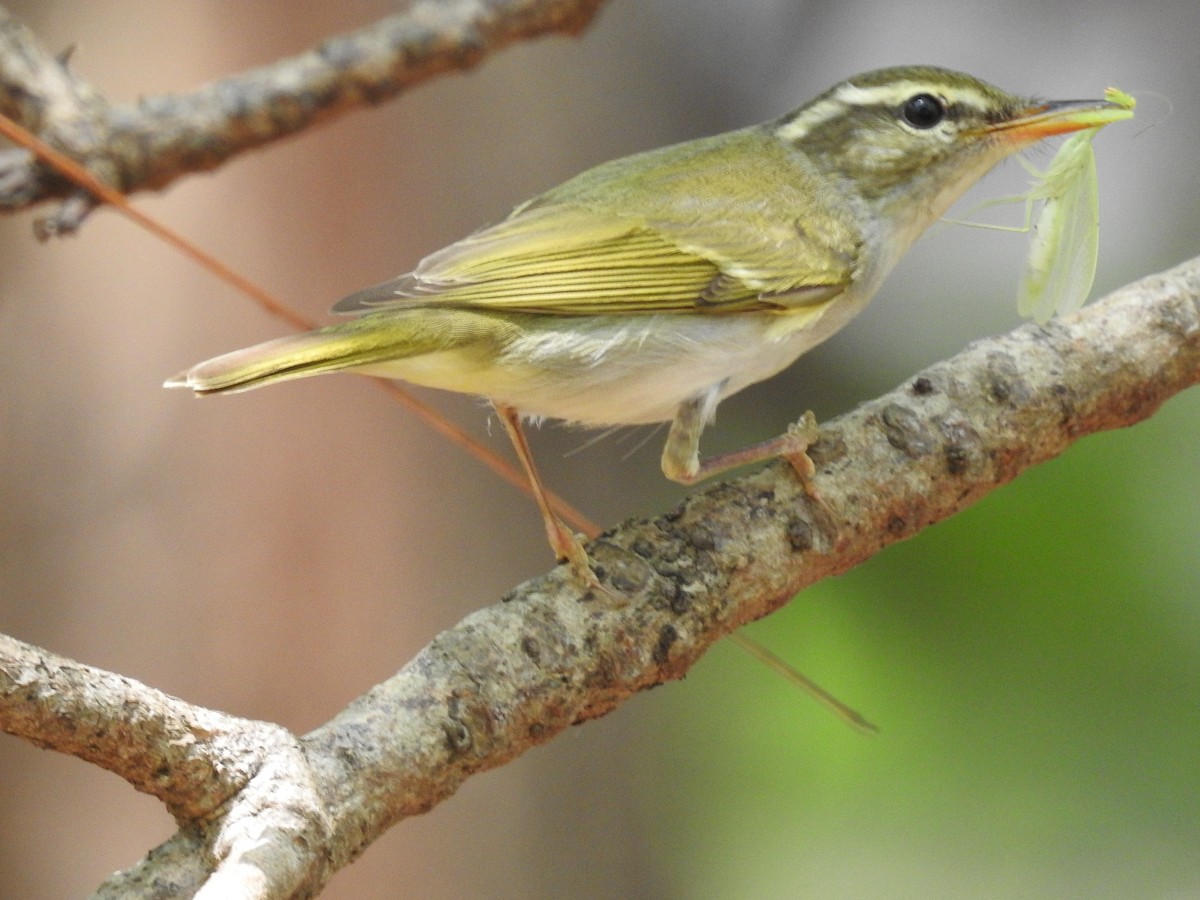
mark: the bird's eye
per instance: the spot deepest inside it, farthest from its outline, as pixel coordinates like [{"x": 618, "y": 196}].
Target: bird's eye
[{"x": 923, "y": 111}]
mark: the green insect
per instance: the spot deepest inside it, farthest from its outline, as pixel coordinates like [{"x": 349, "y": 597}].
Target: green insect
[
  {"x": 1061, "y": 264},
  {"x": 1119, "y": 97}
]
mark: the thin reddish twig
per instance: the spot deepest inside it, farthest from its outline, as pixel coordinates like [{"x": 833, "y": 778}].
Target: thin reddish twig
[{"x": 80, "y": 176}]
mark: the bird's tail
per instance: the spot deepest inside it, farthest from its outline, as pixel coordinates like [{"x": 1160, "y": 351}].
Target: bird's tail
[{"x": 365, "y": 342}]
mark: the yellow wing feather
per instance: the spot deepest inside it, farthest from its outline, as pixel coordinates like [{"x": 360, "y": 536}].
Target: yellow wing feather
[{"x": 585, "y": 249}]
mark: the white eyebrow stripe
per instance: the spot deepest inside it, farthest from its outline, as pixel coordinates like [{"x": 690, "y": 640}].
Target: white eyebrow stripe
[
  {"x": 811, "y": 118},
  {"x": 896, "y": 93},
  {"x": 849, "y": 94}
]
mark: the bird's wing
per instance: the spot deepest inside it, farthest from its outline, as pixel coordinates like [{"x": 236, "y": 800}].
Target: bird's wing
[{"x": 674, "y": 244}]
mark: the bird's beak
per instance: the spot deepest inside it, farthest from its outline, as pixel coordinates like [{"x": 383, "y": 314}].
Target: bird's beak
[{"x": 1043, "y": 120}]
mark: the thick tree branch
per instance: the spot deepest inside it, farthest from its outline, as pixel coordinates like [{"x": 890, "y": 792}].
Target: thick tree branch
[
  {"x": 191, "y": 758},
  {"x": 550, "y": 655},
  {"x": 149, "y": 144}
]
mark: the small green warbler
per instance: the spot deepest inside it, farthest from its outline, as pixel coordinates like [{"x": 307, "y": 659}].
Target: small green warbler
[{"x": 650, "y": 288}]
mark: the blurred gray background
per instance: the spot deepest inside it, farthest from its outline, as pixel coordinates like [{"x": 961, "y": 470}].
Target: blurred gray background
[{"x": 1034, "y": 664}]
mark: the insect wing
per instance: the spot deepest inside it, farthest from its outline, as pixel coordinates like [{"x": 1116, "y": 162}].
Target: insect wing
[
  {"x": 1075, "y": 268},
  {"x": 1062, "y": 257}
]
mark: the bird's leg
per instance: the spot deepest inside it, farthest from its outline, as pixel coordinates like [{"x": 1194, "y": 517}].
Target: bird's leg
[
  {"x": 681, "y": 454},
  {"x": 681, "y": 462},
  {"x": 564, "y": 542}
]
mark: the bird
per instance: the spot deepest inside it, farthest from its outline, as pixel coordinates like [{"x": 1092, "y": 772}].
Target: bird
[{"x": 650, "y": 288}]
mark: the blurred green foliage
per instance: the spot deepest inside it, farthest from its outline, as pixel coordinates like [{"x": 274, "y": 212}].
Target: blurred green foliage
[{"x": 1034, "y": 667}]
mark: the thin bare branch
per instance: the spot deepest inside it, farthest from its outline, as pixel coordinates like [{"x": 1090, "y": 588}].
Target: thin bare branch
[
  {"x": 551, "y": 654},
  {"x": 149, "y": 144}
]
